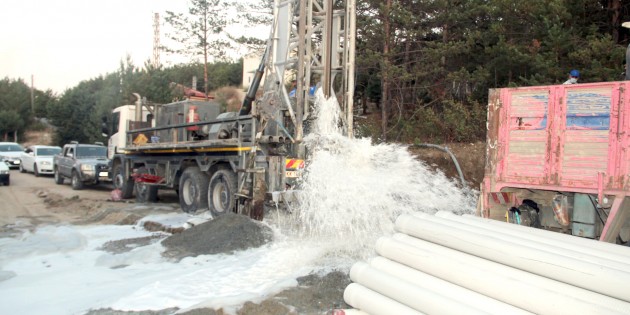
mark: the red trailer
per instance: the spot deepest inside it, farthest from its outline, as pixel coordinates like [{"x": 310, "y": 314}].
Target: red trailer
[{"x": 557, "y": 158}]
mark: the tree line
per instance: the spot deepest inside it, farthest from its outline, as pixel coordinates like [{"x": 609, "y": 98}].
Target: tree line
[
  {"x": 426, "y": 65},
  {"x": 78, "y": 113}
]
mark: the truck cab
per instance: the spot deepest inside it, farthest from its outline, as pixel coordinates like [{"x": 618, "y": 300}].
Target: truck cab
[{"x": 123, "y": 119}]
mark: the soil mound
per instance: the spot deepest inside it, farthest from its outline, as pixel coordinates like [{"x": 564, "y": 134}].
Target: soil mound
[{"x": 224, "y": 235}]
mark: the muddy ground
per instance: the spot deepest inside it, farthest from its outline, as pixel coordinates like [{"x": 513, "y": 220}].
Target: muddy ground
[{"x": 33, "y": 201}]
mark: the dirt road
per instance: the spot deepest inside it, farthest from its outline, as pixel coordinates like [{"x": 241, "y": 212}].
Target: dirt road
[{"x": 31, "y": 201}]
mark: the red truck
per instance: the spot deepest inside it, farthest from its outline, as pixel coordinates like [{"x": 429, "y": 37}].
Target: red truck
[{"x": 557, "y": 158}]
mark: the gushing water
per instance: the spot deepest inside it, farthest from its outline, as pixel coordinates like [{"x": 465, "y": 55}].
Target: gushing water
[{"x": 353, "y": 191}]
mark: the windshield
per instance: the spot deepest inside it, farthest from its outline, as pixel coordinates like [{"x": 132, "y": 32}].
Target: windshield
[
  {"x": 10, "y": 148},
  {"x": 91, "y": 151},
  {"x": 48, "y": 151}
]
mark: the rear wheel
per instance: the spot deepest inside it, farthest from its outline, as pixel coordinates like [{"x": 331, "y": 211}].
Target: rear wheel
[
  {"x": 125, "y": 184},
  {"x": 193, "y": 189},
  {"x": 145, "y": 192},
  {"x": 77, "y": 184},
  {"x": 35, "y": 171},
  {"x": 221, "y": 192},
  {"x": 58, "y": 177}
]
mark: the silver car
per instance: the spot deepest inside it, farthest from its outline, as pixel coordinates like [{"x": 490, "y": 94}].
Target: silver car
[
  {"x": 10, "y": 152},
  {"x": 38, "y": 159}
]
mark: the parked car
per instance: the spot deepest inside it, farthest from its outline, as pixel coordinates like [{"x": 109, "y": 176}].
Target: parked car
[
  {"x": 82, "y": 163},
  {"x": 5, "y": 174},
  {"x": 38, "y": 159},
  {"x": 10, "y": 152}
]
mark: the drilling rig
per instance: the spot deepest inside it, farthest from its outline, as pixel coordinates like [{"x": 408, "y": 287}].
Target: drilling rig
[{"x": 237, "y": 161}]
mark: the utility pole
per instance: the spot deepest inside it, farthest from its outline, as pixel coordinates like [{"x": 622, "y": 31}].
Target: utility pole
[
  {"x": 156, "y": 40},
  {"x": 33, "y": 94}
]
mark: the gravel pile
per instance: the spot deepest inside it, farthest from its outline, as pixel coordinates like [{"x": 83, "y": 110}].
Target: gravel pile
[{"x": 224, "y": 235}]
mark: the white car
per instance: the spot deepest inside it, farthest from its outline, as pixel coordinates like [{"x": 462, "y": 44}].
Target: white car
[
  {"x": 5, "y": 175},
  {"x": 10, "y": 152},
  {"x": 38, "y": 159}
]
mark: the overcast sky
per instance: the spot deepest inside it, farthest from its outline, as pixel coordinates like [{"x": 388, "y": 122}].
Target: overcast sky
[{"x": 63, "y": 42}]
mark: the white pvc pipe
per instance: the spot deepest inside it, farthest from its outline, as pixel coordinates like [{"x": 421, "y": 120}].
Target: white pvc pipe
[
  {"x": 524, "y": 290},
  {"x": 349, "y": 312},
  {"x": 422, "y": 300},
  {"x": 374, "y": 303},
  {"x": 521, "y": 239},
  {"x": 582, "y": 274},
  {"x": 613, "y": 250},
  {"x": 573, "y": 243},
  {"x": 428, "y": 282}
]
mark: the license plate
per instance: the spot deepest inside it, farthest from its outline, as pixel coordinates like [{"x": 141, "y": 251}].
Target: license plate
[
  {"x": 103, "y": 174},
  {"x": 292, "y": 174}
]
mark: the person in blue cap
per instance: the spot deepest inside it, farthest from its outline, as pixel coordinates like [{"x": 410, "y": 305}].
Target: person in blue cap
[{"x": 574, "y": 75}]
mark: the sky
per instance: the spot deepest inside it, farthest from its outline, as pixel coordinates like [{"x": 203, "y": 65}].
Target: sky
[{"x": 63, "y": 42}]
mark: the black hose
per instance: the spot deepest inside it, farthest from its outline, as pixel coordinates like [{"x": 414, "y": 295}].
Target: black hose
[
  {"x": 445, "y": 149},
  {"x": 246, "y": 108}
]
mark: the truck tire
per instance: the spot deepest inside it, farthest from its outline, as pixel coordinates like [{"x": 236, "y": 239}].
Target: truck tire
[
  {"x": 77, "y": 184},
  {"x": 58, "y": 177},
  {"x": 193, "y": 189},
  {"x": 221, "y": 192},
  {"x": 125, "y": 185},
  {"x": 145, "y": 193}
]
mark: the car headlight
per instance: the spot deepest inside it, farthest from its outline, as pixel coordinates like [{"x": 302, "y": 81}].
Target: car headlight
[
  {"x": 87, "y": 167},
  {"x": 4, "y": 172},
  {"x": 45, "y": 163}
]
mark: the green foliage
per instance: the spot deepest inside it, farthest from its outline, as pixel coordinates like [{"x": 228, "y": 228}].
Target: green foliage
[
  {"x": 445, "y": 55},
  {"x": 15, "y": 108},
  {"x": 202, "y": 32}
]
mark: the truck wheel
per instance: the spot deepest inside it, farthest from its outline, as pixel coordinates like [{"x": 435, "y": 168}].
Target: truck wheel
[
  {"x": 221, "y": 192},
  {"x": 22, "y": 170},
  {"x": 77, "y": 184},
  {"x": 145, "y": 193},
  {"x": 35, "y": 171},
  {"x": 193, "y": 189},
  {"x": 58, "y": 177},
  {"x": 125, "y": 185}
]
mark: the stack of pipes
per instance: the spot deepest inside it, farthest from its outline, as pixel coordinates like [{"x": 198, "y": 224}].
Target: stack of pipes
[{"x": 450, "y": 264}]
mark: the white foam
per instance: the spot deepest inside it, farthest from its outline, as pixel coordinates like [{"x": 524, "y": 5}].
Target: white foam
[{"x": 353, "y": 190}]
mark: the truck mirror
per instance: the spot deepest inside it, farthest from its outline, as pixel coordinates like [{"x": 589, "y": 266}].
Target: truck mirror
[{"x": 105, "y": 129}]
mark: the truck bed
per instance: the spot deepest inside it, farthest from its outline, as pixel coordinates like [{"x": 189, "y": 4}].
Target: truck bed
[
  {"x": 231, "y": 145},
  {"x": 559, "y": 137}
]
